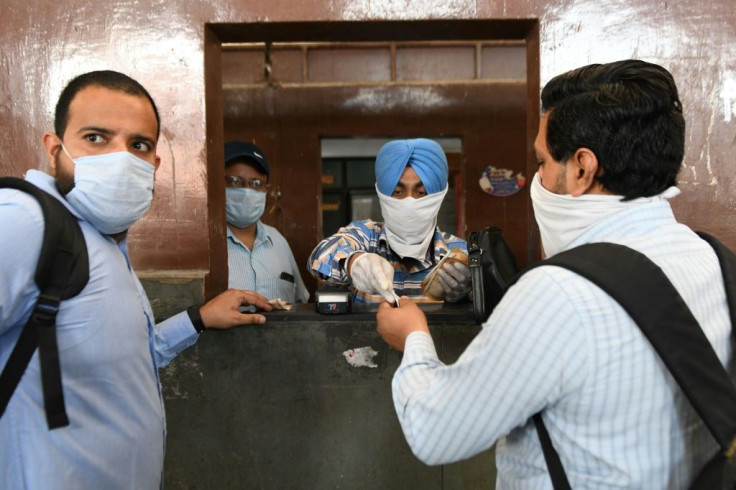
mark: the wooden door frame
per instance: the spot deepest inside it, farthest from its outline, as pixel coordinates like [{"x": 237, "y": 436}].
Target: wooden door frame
[{"x": 335, "y": 32}]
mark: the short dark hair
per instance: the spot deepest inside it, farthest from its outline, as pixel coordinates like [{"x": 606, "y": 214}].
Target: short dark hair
[
  {"x": 103, "y": 78},
  {"x": 629, "y": 114}
]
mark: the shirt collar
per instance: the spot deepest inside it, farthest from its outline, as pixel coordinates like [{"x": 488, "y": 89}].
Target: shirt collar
[
  {"x": 47, "y": 183},
  {"x": 261, "y": 235},
  {"x": 638, "y": 220}
]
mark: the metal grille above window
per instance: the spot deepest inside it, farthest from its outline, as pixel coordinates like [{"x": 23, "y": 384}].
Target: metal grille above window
[{"x": 389, "y": 62}]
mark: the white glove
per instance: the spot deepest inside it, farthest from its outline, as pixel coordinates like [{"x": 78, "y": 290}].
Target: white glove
[
  {"x": 454, "y": 278},
  {"x": 373, "y": 274}
]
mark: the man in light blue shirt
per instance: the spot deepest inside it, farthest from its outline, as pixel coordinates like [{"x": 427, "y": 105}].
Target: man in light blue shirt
[
  {"x": 258, "y": 256},
  {"x": 102, "y": 157},
  {"x": 609, "y": 148}
]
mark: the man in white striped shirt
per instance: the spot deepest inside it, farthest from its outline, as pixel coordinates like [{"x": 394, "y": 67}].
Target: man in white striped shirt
[{"x": 610, "y": 145}]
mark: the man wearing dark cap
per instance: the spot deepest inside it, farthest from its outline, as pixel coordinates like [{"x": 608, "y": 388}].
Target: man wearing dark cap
[
  {"x": 381, "y": 261},
  {"x": 258, "y": 255}
]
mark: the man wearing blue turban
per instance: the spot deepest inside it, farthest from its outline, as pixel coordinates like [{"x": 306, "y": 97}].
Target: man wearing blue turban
[{"x": 385, "y": 260}]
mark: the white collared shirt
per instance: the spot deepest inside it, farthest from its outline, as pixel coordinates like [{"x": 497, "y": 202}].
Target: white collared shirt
[{"x": 558, "y": 344}]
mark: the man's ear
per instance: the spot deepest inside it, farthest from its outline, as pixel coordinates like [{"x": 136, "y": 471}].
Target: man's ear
[
  {"x": 157, "y": 162},
  {"x": 51, "y": 146},
  {"x": 582, "y": 169}
]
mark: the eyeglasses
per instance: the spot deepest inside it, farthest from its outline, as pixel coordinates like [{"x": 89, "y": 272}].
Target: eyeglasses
[{"x": 240, "y": 182}]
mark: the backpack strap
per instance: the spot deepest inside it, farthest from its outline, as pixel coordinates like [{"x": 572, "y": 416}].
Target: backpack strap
[
  {"x": 644, "y": 291},
  {"x": 61, "y": 273},
  {"x": 554, "y": 465}
]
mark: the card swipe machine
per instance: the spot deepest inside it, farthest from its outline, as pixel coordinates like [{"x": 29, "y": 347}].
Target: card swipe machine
[{"x": 332, "y": 302}]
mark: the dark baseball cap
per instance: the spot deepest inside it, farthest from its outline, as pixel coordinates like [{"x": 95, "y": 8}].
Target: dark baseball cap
[{"x": 249, "y": 151}]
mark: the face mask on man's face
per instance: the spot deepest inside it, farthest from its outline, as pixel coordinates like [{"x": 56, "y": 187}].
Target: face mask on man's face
[
  {"x": 562, "y": 218},
  {"x": 410, "y": 223},
  {"x": 243, "y": 207},
  {"x": 111, "y": 191}
]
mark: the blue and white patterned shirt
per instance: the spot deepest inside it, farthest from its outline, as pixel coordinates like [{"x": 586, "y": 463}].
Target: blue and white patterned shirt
[
  {"x": 109, "y": 351},
  {"x": 269, "y": 269},
  {"x": 328, "y": 260},
  {"x": 558, "y": 344}
]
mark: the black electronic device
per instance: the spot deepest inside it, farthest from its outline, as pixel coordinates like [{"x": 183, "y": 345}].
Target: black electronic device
[{"x": 332, "y": 302}]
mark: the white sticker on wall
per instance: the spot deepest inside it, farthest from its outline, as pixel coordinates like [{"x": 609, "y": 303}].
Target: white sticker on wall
[{"x": 501, "y": 182}]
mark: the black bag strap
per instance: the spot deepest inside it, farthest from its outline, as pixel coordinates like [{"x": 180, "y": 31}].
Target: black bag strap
[
  {"x": 61, "y": 273},
  {"x": 554, "y": 465},
  {"x": 475, "y": 253},
  {"x": 492, "y": 263},
  {"x": 644, "y": 291}
]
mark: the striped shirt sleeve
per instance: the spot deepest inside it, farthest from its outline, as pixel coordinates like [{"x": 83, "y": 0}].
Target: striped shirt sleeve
[
  {"x": 327, "y": 259},
  {"x": 452, "y": 412}
]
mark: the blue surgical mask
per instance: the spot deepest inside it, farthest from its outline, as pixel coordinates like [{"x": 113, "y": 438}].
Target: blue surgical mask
[
  {"x": 111, "y": 191},
  {"x": 243, "y": 207}
]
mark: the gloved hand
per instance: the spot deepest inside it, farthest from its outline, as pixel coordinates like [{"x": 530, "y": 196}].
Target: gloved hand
[
  {"x": 373, "y": 274},
  {"x": 454, "y": 277}
]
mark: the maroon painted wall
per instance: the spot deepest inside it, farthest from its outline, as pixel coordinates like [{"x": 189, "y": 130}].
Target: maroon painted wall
[{"x": 162, "y": 44}]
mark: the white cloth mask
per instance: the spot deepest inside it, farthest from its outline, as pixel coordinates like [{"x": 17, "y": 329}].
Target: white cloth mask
[
  {"x": 244, "y": 206},
  {"x": 562, "y": 218},
  {"x": 410, "y": 223},
  {"x": 111, "y": 191}
]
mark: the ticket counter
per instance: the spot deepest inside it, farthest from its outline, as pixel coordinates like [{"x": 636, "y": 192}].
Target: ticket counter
[{"x": 278, "y": 406}]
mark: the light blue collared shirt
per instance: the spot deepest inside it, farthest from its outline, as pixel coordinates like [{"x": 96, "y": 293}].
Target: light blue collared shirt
[
  {"x": 269, "y": 268},
  {"x": 558, "y": 344},
  {"x": 110, "y": 352}
]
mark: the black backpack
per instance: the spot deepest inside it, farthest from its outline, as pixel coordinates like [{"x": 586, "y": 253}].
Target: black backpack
[
  {"x": 61, "y": 273},
  {"x": 651, "y": 300}
]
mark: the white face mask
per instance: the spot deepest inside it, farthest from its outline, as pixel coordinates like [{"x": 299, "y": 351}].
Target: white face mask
[
  {"x": 244, "y": 206},
  {"x": 410, "y": 223},
  {"x": 562, "y": 218},
  {"x": 111, "y": 191}
]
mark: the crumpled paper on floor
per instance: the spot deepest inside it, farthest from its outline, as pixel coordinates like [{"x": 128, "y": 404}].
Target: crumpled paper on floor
[{"x": 361, "y": 357}]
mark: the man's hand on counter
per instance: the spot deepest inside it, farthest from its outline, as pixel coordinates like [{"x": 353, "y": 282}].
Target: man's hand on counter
[
  {"x": 395, "y": 324},
  {"x": 223, "y": 311}
]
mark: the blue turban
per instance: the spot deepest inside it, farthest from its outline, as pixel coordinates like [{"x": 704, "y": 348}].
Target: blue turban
[{"x": 425, "y": 157}]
